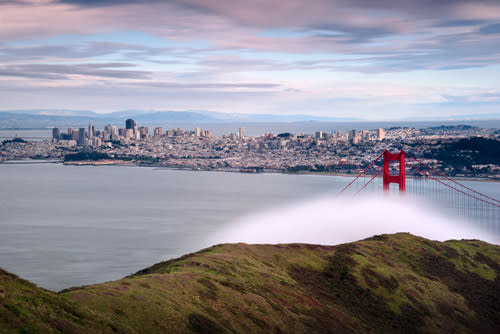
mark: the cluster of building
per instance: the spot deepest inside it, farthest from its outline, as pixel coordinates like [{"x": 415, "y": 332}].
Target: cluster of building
[
  {"x": 354, "y": 136},
  {"x": 132, "y": 132},
  {"x": 199, "y": 149},
  {"x": 111, "y": 133}
]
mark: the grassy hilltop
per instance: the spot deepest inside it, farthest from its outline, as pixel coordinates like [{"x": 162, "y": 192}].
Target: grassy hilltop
[{"x": 386, "y": 284}]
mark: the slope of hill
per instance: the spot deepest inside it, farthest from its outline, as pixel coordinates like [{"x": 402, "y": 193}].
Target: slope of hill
[
  {"x": 385, "y": 284},
  {"x": 26, "y": 308}
]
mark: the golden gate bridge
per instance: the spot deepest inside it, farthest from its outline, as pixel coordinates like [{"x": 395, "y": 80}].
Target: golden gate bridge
[{"x": 445, "y": 194}]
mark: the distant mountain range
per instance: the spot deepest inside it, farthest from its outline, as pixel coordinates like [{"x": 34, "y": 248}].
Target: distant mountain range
[
  {"x": 45, "y": 118},
  {"x": 48, "y": 118}
]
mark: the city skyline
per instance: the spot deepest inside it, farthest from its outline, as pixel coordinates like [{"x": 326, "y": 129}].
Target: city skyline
[
  {"x": 380, "y": 60},
  {"x": 199, "y": 149}
]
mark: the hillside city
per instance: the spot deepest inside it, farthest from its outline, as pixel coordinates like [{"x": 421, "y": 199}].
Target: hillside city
[{"x": 338, "y": 152}]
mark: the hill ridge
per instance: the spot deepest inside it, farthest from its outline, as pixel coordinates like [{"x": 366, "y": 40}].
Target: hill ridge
[{"x": 384, "y": 284}]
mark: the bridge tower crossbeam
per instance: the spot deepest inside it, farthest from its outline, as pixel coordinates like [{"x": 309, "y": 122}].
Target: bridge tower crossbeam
[{"x": 400, "y": 179}]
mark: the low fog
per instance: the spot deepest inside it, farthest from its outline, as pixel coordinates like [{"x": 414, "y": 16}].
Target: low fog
[{"x": 332, "y": 221}]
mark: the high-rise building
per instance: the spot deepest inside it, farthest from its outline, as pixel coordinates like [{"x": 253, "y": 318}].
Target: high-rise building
[
  {"x": 197, "y": 132},
  {"x": 157, "y": 132},
  {"x": 143, "y": 131},
  {"x": 91, "y": 130},
  {"x": 242, "y": 133},
  {"x": 129, "y": 124},
  {"x": 129, "y": 133},
  {"x": 81, "y": 136},
  {"x": 319, "y": 134},
  {"x": 354, "y": 136},
  {"x": 107, "y": 132},
  {"x": 96, "y": 142},
  {"x": 56, "y": 134},
  {"x": 380, "y": 134},
  {"x": 365, "y": 134}
]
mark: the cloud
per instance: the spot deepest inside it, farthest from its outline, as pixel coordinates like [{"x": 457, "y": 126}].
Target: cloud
[
  {"x": 339, "y": 27},
  {"x": 85, "y": 50},
  {"x": 64, "y": 72},
  {"x": 291, "y": 54},
  {"x": 207, "y": 85},
  {"x": 460, "y": 23},
  {"x": 490, "y": 29}
]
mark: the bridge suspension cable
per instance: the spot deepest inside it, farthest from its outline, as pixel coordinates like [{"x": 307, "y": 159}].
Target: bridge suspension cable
[
  {"x": 370, "y": 181},
  {"x": 443, "y": 193},
  {"x": 362, "y": 173},
  {"x": 460, "y": 191},
  {"x": 450, "y": 179}
]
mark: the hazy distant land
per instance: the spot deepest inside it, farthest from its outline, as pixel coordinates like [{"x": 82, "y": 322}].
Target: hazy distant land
[{"x": 222, "y": 123}]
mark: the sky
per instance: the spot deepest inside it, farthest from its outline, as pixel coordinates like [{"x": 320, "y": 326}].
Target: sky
[{"x": 365, "y": 59}]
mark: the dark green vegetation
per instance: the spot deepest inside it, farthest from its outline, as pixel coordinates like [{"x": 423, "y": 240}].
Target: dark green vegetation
[
  {"x": 386, "y": 284},
  {"x": 14, "y": 140},
  {"x": 334, "y": 168},
  {"x": 86, "y": 155},
  {"x": 464, "y": 153}
]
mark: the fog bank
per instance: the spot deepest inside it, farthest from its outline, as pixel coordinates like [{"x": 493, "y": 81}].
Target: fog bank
[{"x": 332, "y": 221}]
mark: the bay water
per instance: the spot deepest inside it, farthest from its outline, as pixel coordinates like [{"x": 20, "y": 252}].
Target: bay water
[{"x": 64, "y": 226}]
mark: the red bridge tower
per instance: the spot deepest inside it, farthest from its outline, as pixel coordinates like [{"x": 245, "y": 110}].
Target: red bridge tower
[{"x": 399, "y": 179}]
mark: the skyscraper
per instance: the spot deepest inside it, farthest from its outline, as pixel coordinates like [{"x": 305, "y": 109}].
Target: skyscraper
[
  {"x": 56, "y": 134},
  {"x": 129, "y": 124},
  {"x": 143, "y": 131},
  {"x": 242, "y": 133},
  {"x": 91, "y": 130},
  {"x": 74, "y": 134},
  {"x": 81, "y": 136},
  {"x": 380, "y": 134},
  {"x": 129, "y": 133}
]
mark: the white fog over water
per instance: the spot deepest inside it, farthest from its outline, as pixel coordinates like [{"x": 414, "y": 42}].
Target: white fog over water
[{"x": 332, "y": 221}]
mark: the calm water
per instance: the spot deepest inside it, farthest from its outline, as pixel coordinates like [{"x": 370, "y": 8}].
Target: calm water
[
  {"x": 65, "y": 226},
  {"x": 32, "y": 135}
]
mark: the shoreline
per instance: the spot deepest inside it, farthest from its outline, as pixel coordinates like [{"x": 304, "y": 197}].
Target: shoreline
[
  {"x": 103, "y": 162},
  {"x": 114, "y": 162}
]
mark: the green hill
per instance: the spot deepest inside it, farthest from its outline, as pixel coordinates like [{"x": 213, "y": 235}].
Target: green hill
[{"x": 385, "y": 284}]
